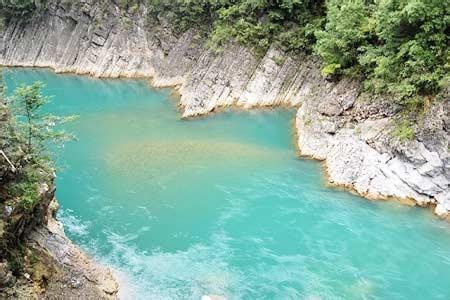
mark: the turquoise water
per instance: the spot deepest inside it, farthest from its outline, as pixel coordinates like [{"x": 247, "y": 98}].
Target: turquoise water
[{"x": 222, "y": 205}]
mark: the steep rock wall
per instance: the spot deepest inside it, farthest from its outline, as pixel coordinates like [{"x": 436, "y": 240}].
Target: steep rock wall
[{"x": 335, "y": 122}]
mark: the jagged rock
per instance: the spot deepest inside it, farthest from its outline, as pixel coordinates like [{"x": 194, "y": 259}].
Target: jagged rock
[
  {"x": 6, "y": 276},
  {"x": 60, "y": 264},
  {"x": 7, "y": 211},
  {"x": 442, "y": 211}
]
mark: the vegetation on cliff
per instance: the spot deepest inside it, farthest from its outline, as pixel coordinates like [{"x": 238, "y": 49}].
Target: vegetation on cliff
[
  {"x": 26, "y": 170},
  {"x": 398, "y": 47},
  {"x": 25, "y": 139}
]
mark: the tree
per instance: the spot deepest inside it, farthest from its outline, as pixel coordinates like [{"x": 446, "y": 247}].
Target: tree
[
  {"x": 399, "y": 47},
  {"x": 339, "y": 42},
  {"x": 37, "y": 129},
  {"x": 6, "y": 131},
  {"x": 411, "y": 54}
]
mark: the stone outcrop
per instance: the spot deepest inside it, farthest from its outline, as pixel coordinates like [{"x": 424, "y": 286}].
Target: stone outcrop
[
  {"x": 68, "y": 272},
  {"x": 335, "y": 122},
  {"x": 52, "y": 267}
]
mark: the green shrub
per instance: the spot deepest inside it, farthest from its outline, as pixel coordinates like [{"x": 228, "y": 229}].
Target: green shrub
[
  {"x": 279, "y": 60},
  {"x": 26, "y": 190},
  {"x": 330, "y": 69},
  {"x": 339, "y": 42},
  {"x": 400, "y": 47},
  {"x": 28, "y": 129},
  {"x": 404, "y": 131}
]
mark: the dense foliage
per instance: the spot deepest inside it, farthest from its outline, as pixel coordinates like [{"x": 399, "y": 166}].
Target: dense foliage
[
  {"x": 255, "y": 23},
  {"x": 400, "y": 47},
  {"x": 10, "y": 8}
]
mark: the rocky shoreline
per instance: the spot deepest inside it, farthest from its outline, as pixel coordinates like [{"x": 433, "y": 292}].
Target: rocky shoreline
[
  {"x": 52, "y": 267},
  {"x": 63, "y": 272},
  {"x": 337, "y": 123}
]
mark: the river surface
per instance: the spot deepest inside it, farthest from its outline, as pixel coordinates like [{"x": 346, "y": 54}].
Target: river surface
[{"x": 222, "y": 205}]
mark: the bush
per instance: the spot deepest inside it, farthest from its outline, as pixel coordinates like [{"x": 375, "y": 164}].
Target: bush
[
  {"x": 255, "y": 23},
  {"x": 31, "y": 131},
  {"x": 404, "y": 131},
  {"x": 339, "y": 42},
  {"x": 26, "y": 190}
]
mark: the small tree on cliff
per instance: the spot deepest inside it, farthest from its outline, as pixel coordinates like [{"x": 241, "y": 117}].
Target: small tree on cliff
[
  {"x": 7, "y": 133},
  {"x": 37, "y": 128}
]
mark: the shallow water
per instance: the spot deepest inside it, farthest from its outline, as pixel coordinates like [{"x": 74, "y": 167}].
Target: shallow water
[{"x": 221, "y": 205}]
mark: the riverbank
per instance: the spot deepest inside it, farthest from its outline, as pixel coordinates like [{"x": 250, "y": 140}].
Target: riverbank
[
  {"x": 337, "y": 123},
  {"x": 55, "y": 268}
]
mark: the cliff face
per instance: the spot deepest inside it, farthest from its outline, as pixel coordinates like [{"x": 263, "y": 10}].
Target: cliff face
[{"x": 335, "y": 122}]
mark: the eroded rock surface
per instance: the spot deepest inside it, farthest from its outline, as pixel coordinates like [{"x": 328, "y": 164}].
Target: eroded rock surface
[{"x": 69, "y": 273}]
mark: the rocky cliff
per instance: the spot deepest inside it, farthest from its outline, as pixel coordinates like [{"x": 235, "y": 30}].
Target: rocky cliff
[
  {"x": 52, "y": 267},
  {"x": 336, "y": 122}
]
